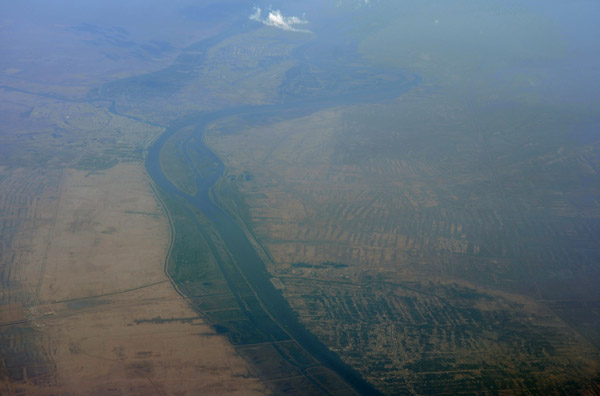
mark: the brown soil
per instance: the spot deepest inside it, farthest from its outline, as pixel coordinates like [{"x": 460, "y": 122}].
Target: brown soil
[{"x": 105, "y": 317}]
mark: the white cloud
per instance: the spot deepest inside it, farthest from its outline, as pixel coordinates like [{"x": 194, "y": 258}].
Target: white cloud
[{"x": 276, "y": 19}]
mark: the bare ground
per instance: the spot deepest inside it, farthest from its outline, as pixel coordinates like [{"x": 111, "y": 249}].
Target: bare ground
[{"x": 101, "y": 315}]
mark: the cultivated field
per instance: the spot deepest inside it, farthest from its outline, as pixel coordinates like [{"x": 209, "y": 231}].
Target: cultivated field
[{"x": 429, "y": 274}]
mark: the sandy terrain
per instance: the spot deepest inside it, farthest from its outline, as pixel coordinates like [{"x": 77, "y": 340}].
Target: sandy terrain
[{"x": 105, "y": 313}]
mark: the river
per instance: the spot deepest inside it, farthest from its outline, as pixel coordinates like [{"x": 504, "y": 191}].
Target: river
[{"x": 247, "y": 259}]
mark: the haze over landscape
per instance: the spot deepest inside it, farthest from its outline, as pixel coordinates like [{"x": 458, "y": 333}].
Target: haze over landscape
[{"x": 335, "y": 197}]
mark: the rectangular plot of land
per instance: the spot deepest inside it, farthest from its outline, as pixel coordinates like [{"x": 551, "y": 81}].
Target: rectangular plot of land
[{"x": 268, "y": 362}]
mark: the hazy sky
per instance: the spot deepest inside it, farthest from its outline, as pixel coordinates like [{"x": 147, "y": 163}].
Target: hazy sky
[{"x": 33, "y": 30}]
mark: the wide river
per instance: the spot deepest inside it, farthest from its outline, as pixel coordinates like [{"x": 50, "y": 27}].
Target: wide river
[{"x": 243, "y": 252}]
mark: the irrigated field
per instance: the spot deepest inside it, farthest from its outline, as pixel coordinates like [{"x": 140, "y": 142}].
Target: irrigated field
[{"x": 434, "y": 246}]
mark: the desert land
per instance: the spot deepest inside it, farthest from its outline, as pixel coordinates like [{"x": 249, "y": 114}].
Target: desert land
[{"x": 86, "y": 305}]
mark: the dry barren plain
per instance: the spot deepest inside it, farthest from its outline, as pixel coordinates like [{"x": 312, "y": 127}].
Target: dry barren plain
[{"x": 88, "y": 308}]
